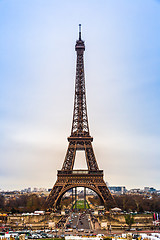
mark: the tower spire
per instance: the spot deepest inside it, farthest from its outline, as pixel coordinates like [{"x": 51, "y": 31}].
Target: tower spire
[{"x": 80, "y": 32}]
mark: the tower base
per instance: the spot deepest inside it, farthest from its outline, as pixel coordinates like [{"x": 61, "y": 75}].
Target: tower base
[{"x": 79, "y": 178}]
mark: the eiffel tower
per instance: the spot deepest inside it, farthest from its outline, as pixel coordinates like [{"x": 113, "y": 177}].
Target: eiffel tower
[{"x": 80, "y": 139}]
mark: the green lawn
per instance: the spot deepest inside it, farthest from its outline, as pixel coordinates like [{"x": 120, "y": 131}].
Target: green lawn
[{"x": 80, "y": 204}]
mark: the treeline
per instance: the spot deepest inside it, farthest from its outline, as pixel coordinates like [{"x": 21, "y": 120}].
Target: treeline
[
  {"x": 33, "y": 202},
  {"x": 138, "y": 203},
  {"x": 22, "y": 203},
  {"x": 133, "y": 203}
]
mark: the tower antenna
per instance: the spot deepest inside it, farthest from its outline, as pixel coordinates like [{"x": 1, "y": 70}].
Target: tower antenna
[{"x": 79, "y": 31}]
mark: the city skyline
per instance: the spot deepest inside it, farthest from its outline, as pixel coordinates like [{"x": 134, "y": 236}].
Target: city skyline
[
  {"x": 37, "y": 75},
  {"x": 123, "y": 189}
]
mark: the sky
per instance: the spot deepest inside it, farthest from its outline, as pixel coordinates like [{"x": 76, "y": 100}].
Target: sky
[{"x": 37, "y": 74}]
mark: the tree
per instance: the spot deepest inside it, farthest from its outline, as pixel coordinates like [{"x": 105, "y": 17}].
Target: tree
[
  {"x": 129, "y": 220},
  {"x": 2, "y": 201}
]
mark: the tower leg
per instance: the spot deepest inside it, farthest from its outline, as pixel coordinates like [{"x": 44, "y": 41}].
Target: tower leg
[
  {"x": 84, "y": 197},
  {"x": 75, "y": 199},
  {"x": 72, "y": 199}
]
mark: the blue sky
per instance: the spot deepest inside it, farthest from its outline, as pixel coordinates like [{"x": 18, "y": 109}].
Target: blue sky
[{"x": 37, "y": 73}]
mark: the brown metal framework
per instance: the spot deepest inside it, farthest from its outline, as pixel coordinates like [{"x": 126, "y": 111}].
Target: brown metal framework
[{"x": 80, "y": 139}]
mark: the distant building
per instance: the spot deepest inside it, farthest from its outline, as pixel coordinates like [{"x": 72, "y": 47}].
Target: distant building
[
  {"x": 26, "y": 190},
  {"x": 135, "y": 190},
  {"x": 146, "y": 189},
  {"x": 42, "y": 190},
  {"x": 117, "y": 189},
  {"x": 35, "y": 189},
  {"x": 152, "y": 190},
  {"x": 149, "y": 190}
]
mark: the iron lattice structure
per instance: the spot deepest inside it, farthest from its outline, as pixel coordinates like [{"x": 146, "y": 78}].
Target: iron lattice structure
[{"x": 80, "y": 139}]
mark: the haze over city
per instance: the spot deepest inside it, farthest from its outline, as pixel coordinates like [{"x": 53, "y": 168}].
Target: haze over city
[{"x": 37, "y": 72}]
